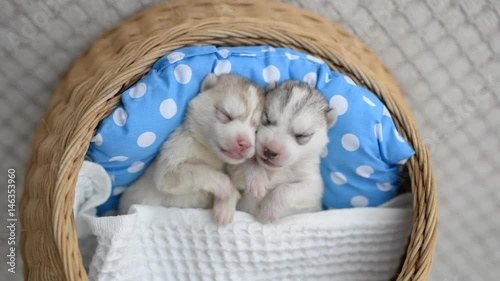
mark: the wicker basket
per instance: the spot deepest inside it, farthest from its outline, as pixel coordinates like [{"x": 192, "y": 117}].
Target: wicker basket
[{"x": 92, "y": 87}]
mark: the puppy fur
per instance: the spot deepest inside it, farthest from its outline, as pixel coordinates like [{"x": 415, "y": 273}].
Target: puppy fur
[
  {"x": 219, "y": 128},
  {"x": 284, "y": 176}
]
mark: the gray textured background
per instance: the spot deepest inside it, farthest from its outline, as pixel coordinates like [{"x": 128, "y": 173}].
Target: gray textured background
[{"x": 445, "y": 54}]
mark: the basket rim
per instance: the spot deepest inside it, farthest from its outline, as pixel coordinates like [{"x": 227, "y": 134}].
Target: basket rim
[{"x": 86, "y": 95}]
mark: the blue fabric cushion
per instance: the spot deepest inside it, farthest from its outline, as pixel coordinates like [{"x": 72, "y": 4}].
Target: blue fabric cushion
[{"x": 360, "y": 166}]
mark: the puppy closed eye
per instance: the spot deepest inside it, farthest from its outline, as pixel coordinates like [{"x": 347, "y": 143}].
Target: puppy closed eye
[
  {"x": 223, "y": 115},
  {"x": 303, "y": 138}
]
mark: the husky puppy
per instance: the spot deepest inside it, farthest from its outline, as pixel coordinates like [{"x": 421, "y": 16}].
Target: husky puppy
[
  {"x": 219, "y": 128},
  {"x": 284, "y": 176}
]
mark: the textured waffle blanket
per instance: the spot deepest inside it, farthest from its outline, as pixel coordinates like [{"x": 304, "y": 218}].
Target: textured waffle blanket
[{"x": 155, "y": 243}]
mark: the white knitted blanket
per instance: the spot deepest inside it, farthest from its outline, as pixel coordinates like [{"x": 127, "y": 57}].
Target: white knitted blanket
[{"x": 155, "y": 243}]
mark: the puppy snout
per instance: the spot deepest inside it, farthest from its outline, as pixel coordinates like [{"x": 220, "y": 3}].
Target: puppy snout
[
  {"x": 243, "y": 144},
  {"x": 270, "y": 154}
]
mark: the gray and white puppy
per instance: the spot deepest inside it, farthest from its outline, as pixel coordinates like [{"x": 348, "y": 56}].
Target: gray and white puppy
[
  {"x": 219, "y": 129},
  {"x": 284, "y": 177}
]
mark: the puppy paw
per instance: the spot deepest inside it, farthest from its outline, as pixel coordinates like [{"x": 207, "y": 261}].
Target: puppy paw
[
  {"x": 256, "y": 183},
  {"x": 257, "y": 186},
  {"x": 222, "y": 187},
  {"x": 267, "y": 214},
  {"x": 269, "y": 209},
  {"x": 223, "y": 212}
]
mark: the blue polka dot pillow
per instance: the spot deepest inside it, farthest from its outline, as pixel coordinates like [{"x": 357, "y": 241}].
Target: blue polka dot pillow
[{"x": 360, "y": 166}]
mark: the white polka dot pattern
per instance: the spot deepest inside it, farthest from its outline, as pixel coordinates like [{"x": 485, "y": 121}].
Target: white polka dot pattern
[
  {"x": 135, "y": 167},
  {"x": 223, "y": 53},
  {"x": 364, "y": 171},
  {"x": 349, "y": 80},
  {"x": 398, "y": 136},
  {"x": 327, "y": 78},
  {"x": 97, "y": 139},
  {"x": 350, "y": 142},
  {"x": 271, "y": 74},
  {"x": 340, "y": 104},
  {"x": 311, "y": 78},
  {"x": 120, "y": 117},
  {"x": 386, "y": 112},
  {"x": 268, "y": 49},
  {"x": 168, "y": 108},
  {"x": 368, "y": 101},
  {"x": 119, "y": 190},
  {"x": 183, "y": 73},
  {"x": 138, "y": 91},
  {"x": 223, "y": 66},
  {"x": 378, "y": 131},
  {"x": 175, "y": 57},
  {"x": 146, "y": 139},
  {"x": 118, "y": 158},
  {"x": 315, "y": 59},
  {"x": 359, "y": 201},
  {"x": 291, "y": 56},
  {"x": 386, "y": 186},
  {"x": 338, "y": 178}
]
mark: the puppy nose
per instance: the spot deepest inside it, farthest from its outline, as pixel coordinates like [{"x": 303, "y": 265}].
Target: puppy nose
[
  {"x": 243, "y": 143},
  {"x": 269, "y": 154}
]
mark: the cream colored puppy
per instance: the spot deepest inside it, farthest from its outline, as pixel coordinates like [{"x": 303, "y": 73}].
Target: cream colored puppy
[
  {"x": 219, "y": 128},
  {"x": 284, "y": 176}
]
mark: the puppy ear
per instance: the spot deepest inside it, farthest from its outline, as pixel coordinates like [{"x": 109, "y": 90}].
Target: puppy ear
[
  {"x": 272, "y": 85},
  {"x": 331, "y": 117},
  {"x": 209, "y": 82}
]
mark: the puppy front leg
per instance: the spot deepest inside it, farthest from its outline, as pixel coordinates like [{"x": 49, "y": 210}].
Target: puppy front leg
[
  {"x": 224, "y": 209},
  {"x": 255, "y": 178},
  {"x": 210, "y": 180},
  {"x": 279, "y": 201},
  {"x": 225, "y": 195},
  {"x": 194, "y": 177}
]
